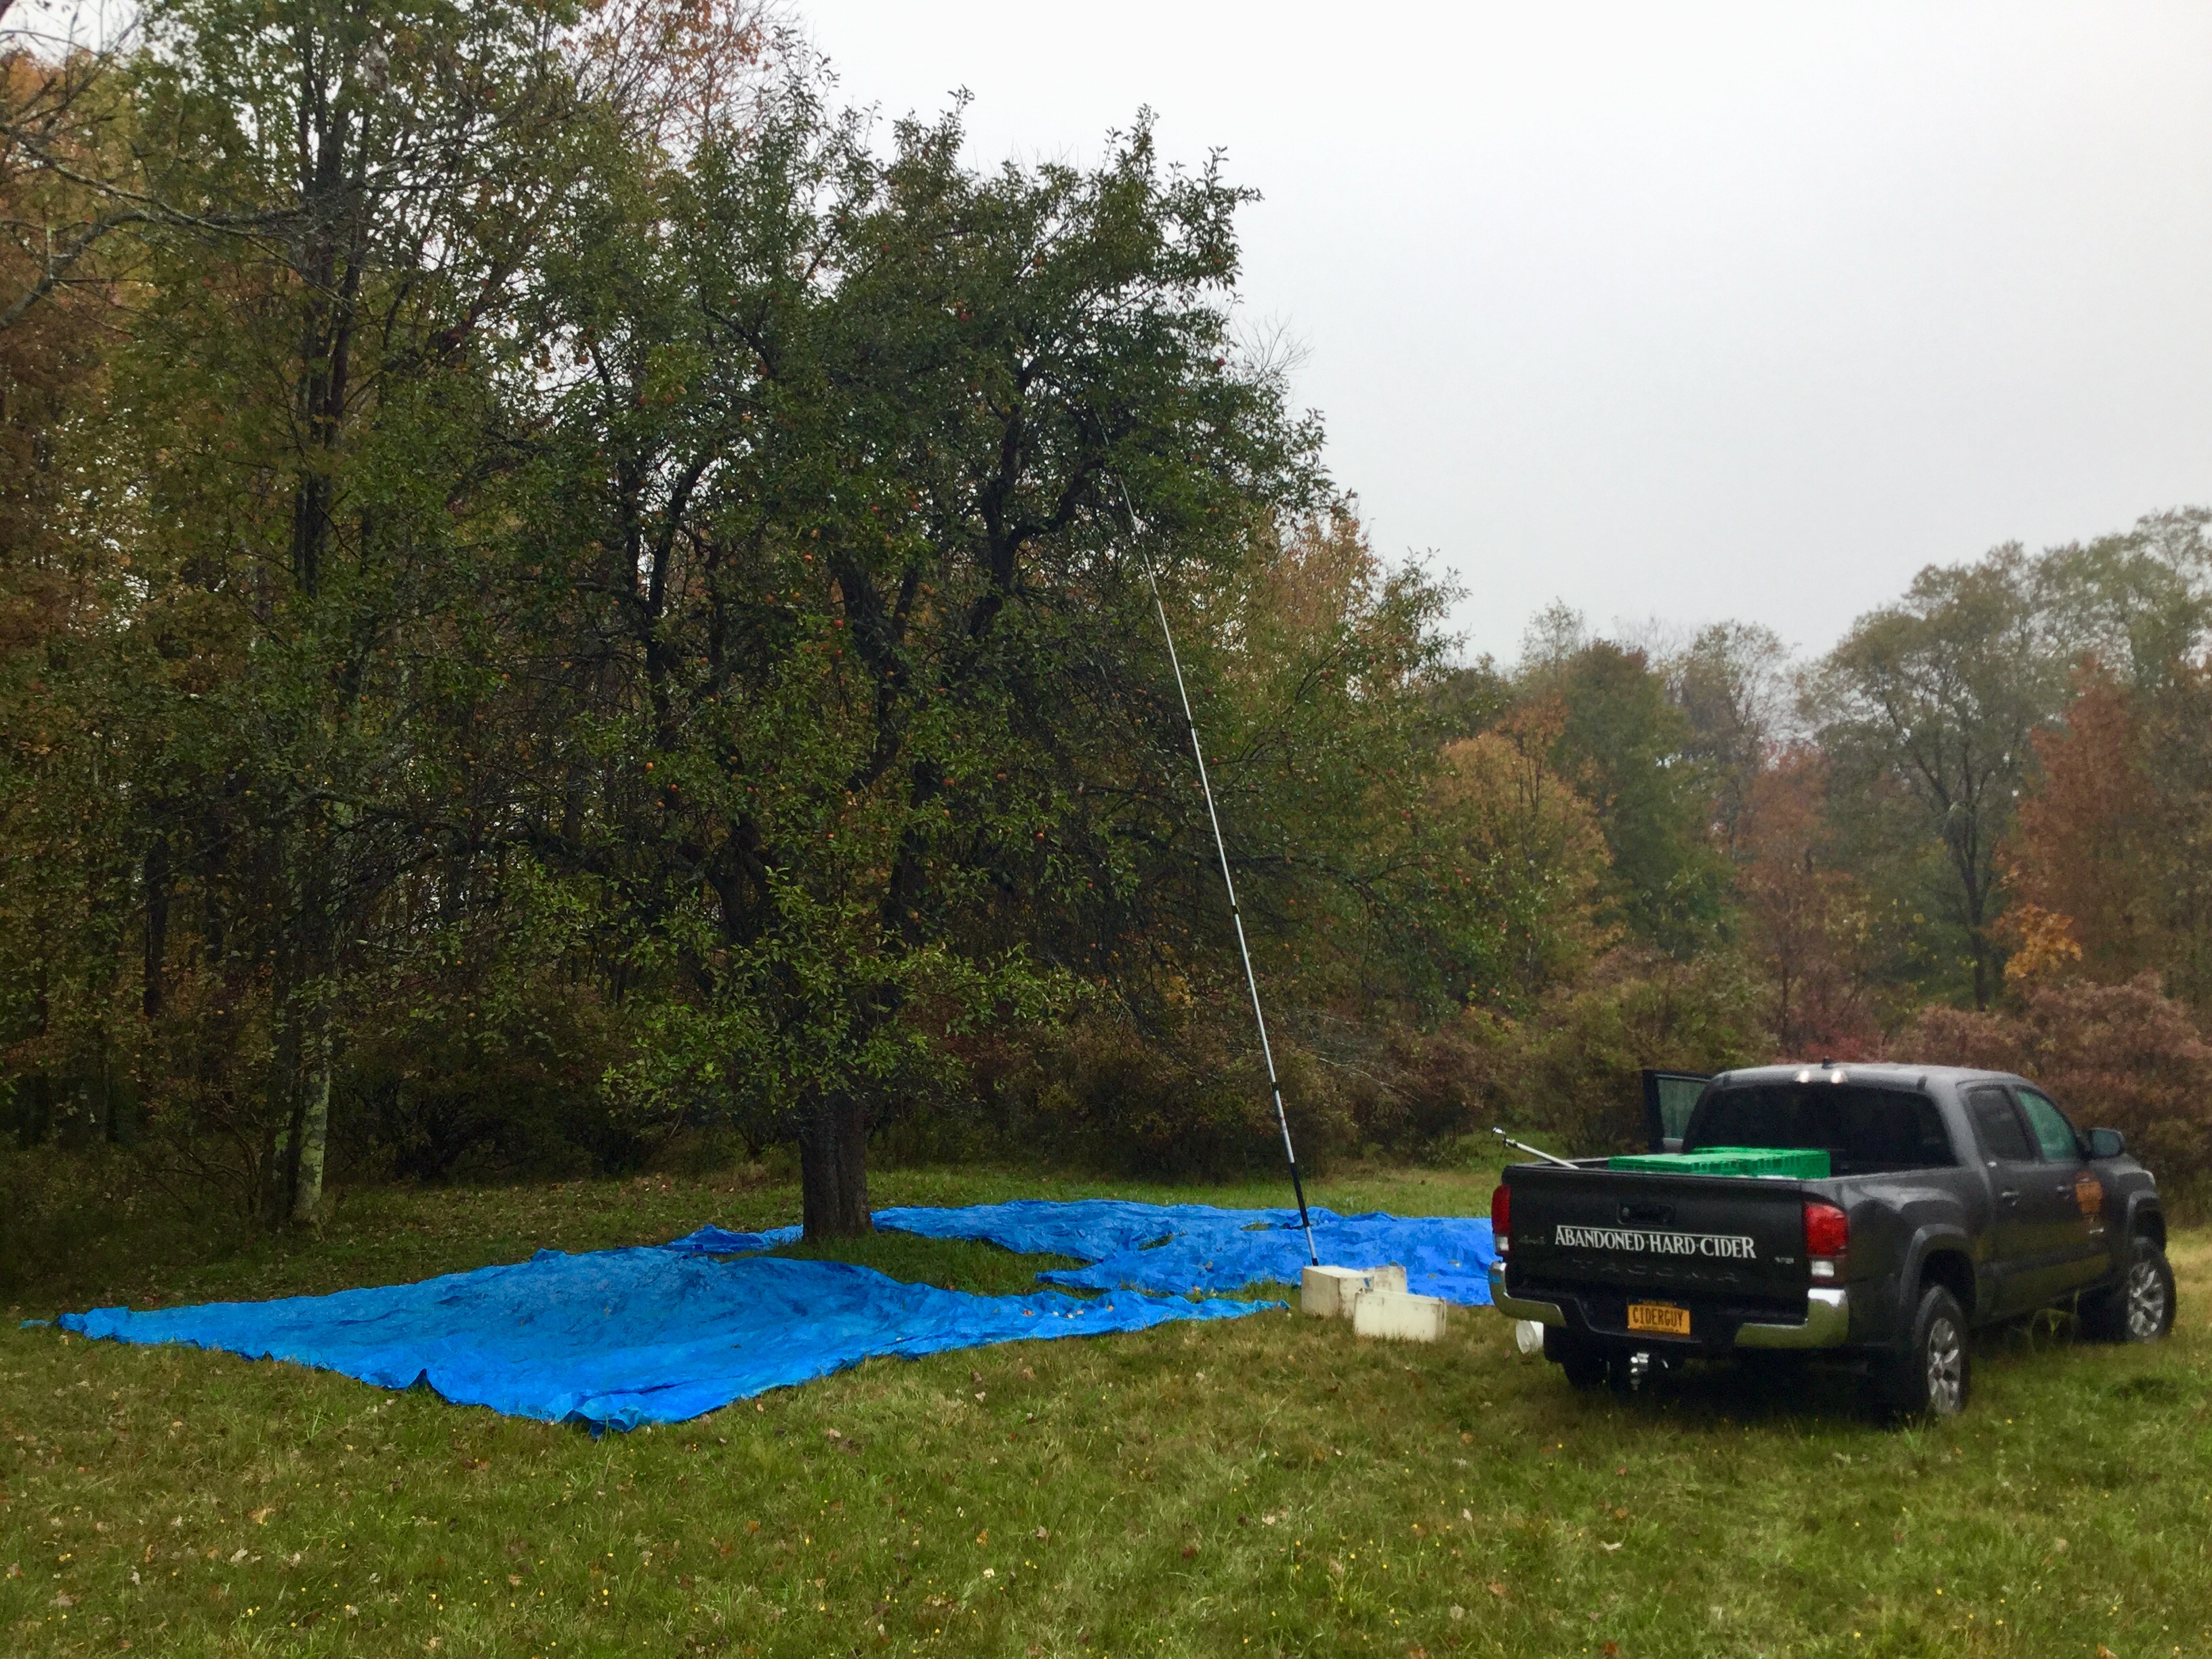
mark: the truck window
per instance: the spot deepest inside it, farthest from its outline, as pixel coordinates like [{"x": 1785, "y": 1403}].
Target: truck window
[
  {"x": 2054, "y": 1135},
  {"x": 1864, "y": 1131},
  {"x": 2003, "y": 1140}
]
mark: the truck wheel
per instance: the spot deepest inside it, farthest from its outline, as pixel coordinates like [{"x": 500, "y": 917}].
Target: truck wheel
[
  {"x": 1585, "y": 1362},
  {"x": 1931, "y": 1376},
  {"x": 2140, "y": 1308}
]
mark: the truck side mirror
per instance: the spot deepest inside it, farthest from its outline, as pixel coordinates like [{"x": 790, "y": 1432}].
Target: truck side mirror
[{"x": 2106, "y": 1142}]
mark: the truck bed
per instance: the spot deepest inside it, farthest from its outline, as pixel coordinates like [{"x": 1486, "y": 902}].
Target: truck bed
[{"x": 1729, "y": 1249}]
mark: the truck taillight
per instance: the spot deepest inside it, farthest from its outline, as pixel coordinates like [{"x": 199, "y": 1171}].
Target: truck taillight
[
  {"x": 1501, "y": 1218},
  {"x": 1827, "y": 1238}
]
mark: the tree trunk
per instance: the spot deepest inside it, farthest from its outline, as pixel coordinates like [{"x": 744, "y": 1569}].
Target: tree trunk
[
  {"x": 1978, "y": 944},
  {"x": 281, "y": 1136},
  {"x": 313, "y": 1119},
  {"x": 157, "y": 925},
  {"x": 305, "y": 1038},
  {"x": 833, "y": 1168}
]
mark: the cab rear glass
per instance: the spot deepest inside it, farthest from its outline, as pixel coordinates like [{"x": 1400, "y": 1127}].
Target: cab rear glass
[{"x": 1864, "y": 1131}]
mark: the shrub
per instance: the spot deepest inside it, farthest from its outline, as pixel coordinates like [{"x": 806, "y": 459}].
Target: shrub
[
  {"x": 489, "y": 1087},
  {"x": 1417, "y": 1090},
  {"x": 1990, "y": 1041},
  {"x": 71, "y": 1217},
  {"x": 2124, "y": 1057},
  {"x": 1571, "y": 1069},
  {"x": 1184, "y": 1103}
]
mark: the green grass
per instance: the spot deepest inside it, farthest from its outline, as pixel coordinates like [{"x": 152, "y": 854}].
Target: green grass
[{"x": 1267, "y": 1486}]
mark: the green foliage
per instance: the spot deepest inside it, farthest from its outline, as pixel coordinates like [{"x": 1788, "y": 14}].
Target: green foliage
[
  {"x": 1731, "y": 684},
  {"x": 504, "y": 1083},
  {"x": 635, "y": 600},
  {"x": 1526, "y": 858},
  {"x": 2139, "y": 602},
  {"x": 1626, "y": 747},
  {"x": 845, "y": 618},
  {"x": 269, "y": 690},
  {"x": 565, "y": 603}
]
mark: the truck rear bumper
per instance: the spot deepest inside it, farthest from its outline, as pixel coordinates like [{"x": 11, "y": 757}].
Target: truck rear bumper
[
  {"x": 1513, "y": 1307},
  {"x": 1827, "y": 1323}
]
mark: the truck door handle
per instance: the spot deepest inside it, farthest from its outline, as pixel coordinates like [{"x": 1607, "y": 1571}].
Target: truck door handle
[{"x": 2010, "y": 1195}]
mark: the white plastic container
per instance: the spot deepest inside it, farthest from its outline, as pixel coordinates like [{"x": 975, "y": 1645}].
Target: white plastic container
[
  {"x": 1399, "y": 1315},
  {"x": 1328, "y": 1293}
]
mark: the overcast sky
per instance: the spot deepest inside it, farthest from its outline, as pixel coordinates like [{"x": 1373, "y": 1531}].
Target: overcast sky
[{"x": 1672, "y": 312}]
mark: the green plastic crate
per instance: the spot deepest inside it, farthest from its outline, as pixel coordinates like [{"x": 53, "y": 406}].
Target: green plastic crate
[{"x": 1809, "y": 1163}]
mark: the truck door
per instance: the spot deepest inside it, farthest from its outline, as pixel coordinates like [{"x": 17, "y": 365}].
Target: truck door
[
  {"x": 1669, "y": 1097},
  {"x": 2019, "y": 1255},
  {"x": 2069, "y": 1198}
]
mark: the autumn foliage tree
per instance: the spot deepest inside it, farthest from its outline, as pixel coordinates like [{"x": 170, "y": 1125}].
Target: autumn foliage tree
[
  {"x": 2111, "y": 861},
  {"x": 1807, "y": 915},
  {"x": 1524, "y": 838}
]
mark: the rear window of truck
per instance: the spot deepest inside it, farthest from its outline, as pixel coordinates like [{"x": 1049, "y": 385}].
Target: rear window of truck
[{"x": 1864, "y": 1131}]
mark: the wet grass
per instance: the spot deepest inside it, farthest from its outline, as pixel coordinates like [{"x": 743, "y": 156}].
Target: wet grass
[{"x": 1269, "y": 1486}]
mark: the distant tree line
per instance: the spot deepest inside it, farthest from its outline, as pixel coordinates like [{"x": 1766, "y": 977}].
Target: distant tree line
[{"x": 564, "y": 599}]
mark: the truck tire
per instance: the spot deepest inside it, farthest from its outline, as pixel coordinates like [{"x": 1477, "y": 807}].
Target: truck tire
[
  {"x": 2140, "y": 1308},
  {"x": 1931, "y": 1376},
  {"x": 1585, "y": 1362}
]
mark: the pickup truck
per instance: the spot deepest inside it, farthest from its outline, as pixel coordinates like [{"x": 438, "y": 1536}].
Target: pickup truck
[{"x": 1954, "y": 1199}]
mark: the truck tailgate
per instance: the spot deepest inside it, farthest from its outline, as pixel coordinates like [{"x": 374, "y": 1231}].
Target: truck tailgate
[{"x": 1733, "y": 1239}]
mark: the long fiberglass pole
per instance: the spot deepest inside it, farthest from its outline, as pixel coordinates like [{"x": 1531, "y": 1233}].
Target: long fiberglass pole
[{"x": 1229, "y": 883}]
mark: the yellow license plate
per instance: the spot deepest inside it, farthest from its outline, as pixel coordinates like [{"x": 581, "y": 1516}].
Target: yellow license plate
[{"x": 1659, "y": 1316}]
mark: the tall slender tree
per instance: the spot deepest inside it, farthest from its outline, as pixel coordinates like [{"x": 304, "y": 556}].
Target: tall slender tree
[
  {"x": 1930, "y": 703},
  {"x": 319, "y": 389}
]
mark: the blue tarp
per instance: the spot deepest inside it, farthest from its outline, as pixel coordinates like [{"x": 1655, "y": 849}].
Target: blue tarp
[
  {"x": 716, "y": 1241},
  {"x": 1088, "y": 1229},
  {"x": 1442, "y": 1255},
  {"x": 618, "y": 1338},
  {"x": 1176, "y": 1249}
]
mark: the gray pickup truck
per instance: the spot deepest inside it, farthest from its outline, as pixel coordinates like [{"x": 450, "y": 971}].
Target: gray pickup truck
[{"x": 1954, "y": 1199}]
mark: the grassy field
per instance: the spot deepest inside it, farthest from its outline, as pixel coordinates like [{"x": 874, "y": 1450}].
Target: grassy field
[{"x": 1269, "y": 1486}]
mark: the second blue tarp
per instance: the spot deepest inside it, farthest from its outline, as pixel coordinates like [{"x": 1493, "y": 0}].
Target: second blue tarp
[
  {"x": 1448, "y": 1256},
  {"x": 1189, "y": 1249}
]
